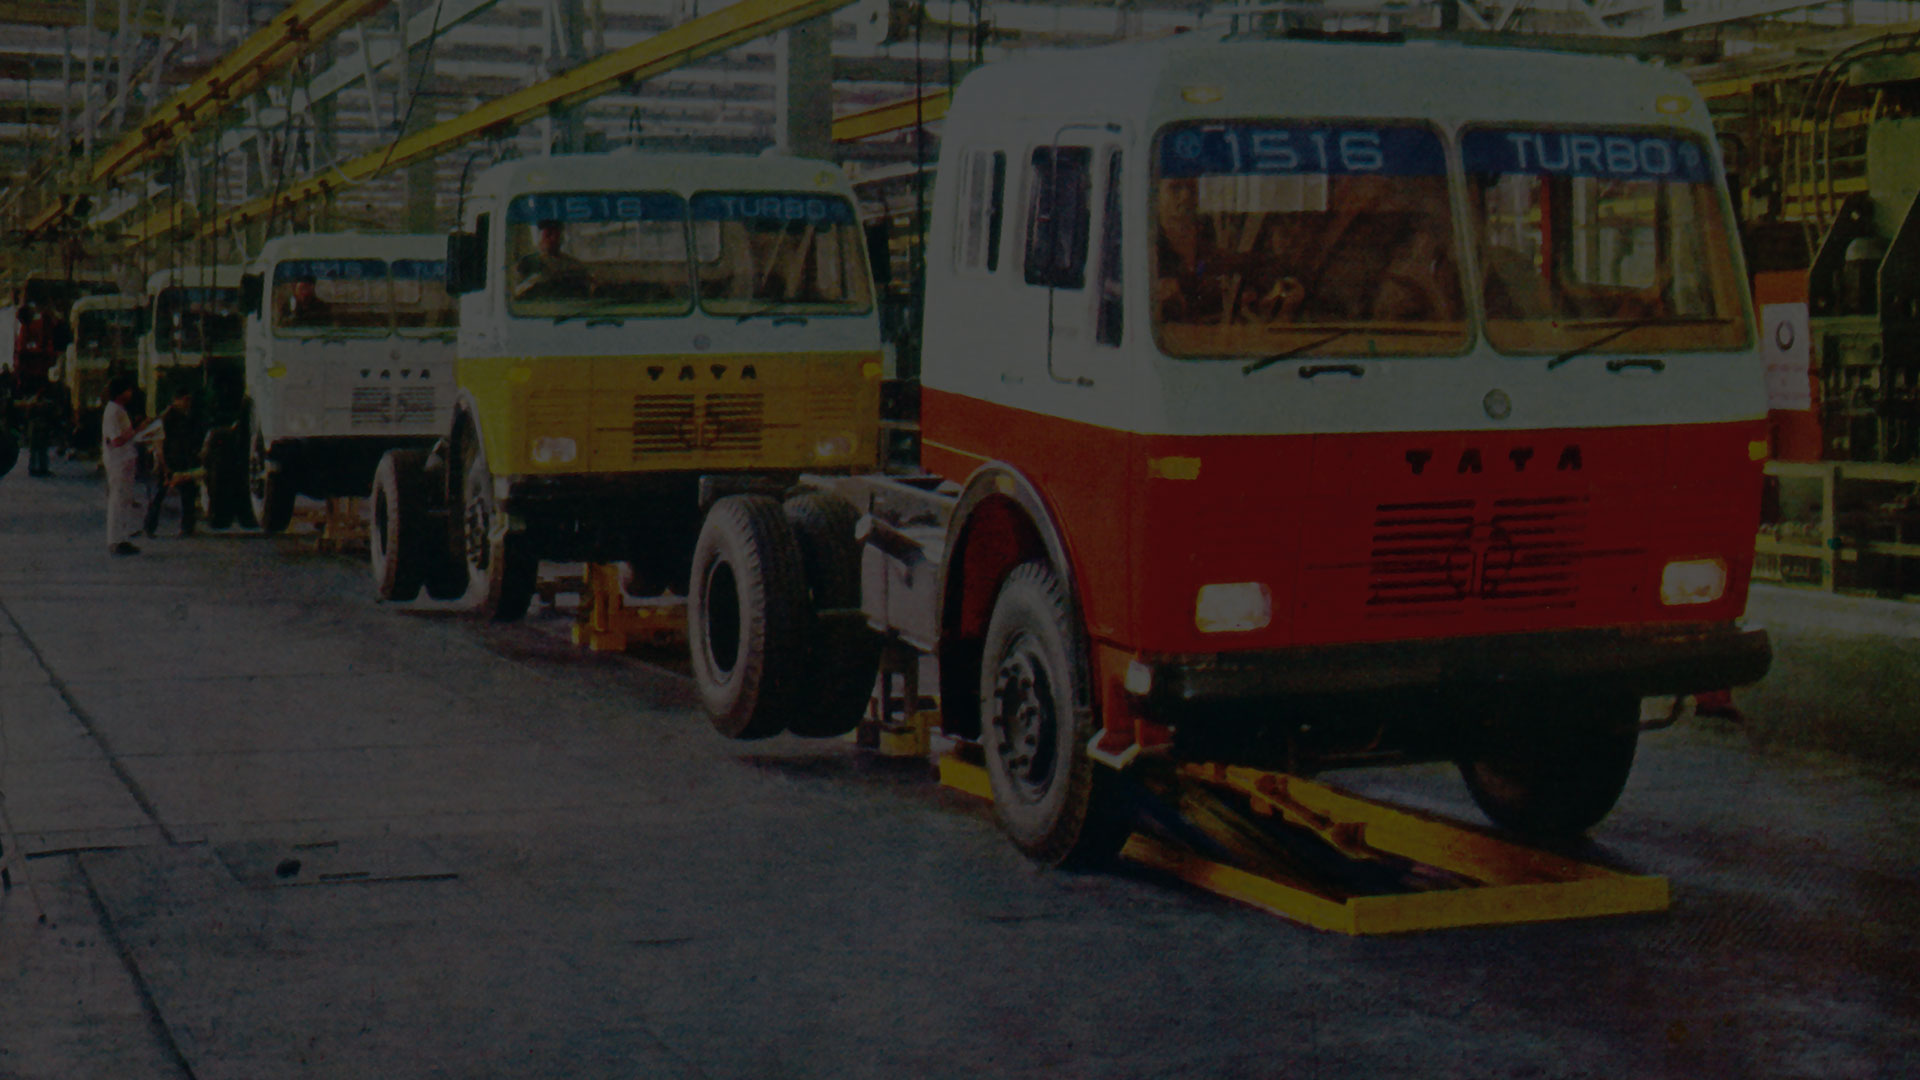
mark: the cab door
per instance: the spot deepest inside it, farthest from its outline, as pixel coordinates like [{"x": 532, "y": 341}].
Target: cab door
[{"x": 1073, "y": 249}]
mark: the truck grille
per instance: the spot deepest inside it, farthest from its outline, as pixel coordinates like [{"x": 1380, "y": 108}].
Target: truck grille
[
  {"x": 681, "y": 423},
  {"x": 662, "y": 424},
  {"x": 1505, "y": 553},
  {"x": 378, "y": 406}
]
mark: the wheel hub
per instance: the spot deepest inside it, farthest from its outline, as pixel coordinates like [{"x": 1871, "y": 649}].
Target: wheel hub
[
  {"x": 477, "y": 519},
  {"x": 1026, "y": 722}
]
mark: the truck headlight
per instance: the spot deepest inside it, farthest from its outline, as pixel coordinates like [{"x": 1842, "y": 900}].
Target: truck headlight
[
  {"x": 554, "y": 450},
  {"x": 1693, "y": 581},
  {"x": 1242, "y": 605}
]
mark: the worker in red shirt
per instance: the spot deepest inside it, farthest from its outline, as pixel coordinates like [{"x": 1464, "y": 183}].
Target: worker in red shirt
[{"x": 42, "y": 337}]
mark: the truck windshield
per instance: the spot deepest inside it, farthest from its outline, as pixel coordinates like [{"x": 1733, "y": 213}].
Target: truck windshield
[
  {"x": 598, "y": 253},
  {"x": 108, "y": 334},
  {"x": 420, "y": 299},
  {"x": 1268, "y": 235},
  {"x": 195, "y": 318},
  {"x": 329, "y": 297},
  {"x": 1582, "y": 232},
  {"x": 779, "y": 252}
]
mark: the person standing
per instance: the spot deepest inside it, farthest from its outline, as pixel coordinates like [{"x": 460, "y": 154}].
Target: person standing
[
  {"x": 179, "y": 456},
  {"x": 122, "y": 457},
  {"x": 38, "y": 343}
]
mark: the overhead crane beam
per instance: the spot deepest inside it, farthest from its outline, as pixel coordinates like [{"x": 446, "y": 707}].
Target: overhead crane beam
[
  {"x": 299, "y": 29},
  {"x": 43, "y": 13},
  {"x": 895, "y": 117},
  {"x": 293, "y": 33},
  {"x": 695, "y": 39}
]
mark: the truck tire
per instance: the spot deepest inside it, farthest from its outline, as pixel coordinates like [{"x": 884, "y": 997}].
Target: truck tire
[
  {"x": 747, "y": 618},
  {"x": 1553, "y": 773},
  {"x": 844, "y": 652},
  {"x": 396, "y": 535},
  {"x": 501, "y": 567},
  {"x": 1052, "y": 800},
  {"x": 269, "y": 491}
]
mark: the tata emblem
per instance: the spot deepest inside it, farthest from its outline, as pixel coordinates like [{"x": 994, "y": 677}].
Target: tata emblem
[
  {"x": 1497, "y": 404},
  {"x": 1481, "y": 559}
]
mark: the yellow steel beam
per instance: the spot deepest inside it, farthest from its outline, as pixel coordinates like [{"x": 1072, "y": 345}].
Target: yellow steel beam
[
  {"x": 894, "y": 117},
  {"x": 715, "y": 32},
  {"x": 293, "y": 33},
  {"x": 42, "y": 13}
]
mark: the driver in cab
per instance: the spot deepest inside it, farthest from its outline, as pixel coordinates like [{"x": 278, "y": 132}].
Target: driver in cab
[
  {"x": 548, "y": 272},
  {"x": 304, "y": 306}
]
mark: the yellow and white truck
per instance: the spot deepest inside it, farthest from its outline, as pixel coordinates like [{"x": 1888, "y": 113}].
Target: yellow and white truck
[{"x": 640, "y": 335}]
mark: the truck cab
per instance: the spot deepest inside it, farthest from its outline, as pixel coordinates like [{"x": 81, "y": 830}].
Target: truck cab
[
  {"x": 633, "y": 326},
  {"x": 349, "y": 354},
  {"x": 106, "y": 342},
  {"x": 1314, "y": 403}
]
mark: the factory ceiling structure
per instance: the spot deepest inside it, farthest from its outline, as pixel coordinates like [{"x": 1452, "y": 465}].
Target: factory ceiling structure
[{"x": 124, "y": 123}]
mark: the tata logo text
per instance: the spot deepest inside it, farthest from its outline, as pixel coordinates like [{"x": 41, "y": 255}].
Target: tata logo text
[{"x": 1472, "y": 460}]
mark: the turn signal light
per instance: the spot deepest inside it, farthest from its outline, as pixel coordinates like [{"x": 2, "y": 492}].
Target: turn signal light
[
  {"x": 1693, "y": 581},
  {"x": 1242, "y": 605}
]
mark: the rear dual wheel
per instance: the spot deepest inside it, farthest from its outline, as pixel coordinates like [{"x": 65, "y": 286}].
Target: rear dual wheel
[
  {"x": 777, "y": 641},
  {"x": 746, "y": 618}
]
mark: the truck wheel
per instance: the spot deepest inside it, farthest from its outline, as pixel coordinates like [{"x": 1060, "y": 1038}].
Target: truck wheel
[
  {"x": 746, "y": 626},
  {"x": 844, "y": 652},
  {"x": 1052, "y": 800},
  {"x": 395, "y": 536},
  {"x": 269, "y": 492},
  {"x": 1553, "y": 773},
  {"x": 500, "y": 566}
]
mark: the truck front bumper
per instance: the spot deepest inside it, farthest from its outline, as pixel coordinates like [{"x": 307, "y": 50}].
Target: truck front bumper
[{"x": 1641, "y": 661}]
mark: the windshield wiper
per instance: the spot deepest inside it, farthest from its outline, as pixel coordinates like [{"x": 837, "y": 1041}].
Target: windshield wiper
[
  {"x": 1623, "y": 327},
  {"x": 596, "y": 308},
  {"x": 767, "y": 308},
  {"x": 1335, "y": 334}
]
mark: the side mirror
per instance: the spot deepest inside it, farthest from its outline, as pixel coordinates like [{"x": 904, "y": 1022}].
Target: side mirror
[
  {"x": 466, "y": 263},
  {"x": 252, "y": 290}
]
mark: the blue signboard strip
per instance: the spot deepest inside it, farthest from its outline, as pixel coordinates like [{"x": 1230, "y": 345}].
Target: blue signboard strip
[
  {"x": 572, "y": 206},
  {"x": 771, "y": 206},
  {"x": 1261, "y": 148},
  {"x": 1596, "y": 154}
]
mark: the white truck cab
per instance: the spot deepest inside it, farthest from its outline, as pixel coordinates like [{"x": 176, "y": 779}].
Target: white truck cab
[
  {"x": 193, "y": 325},
  {"x": 349, "y": 354},
  {"x": 106, "y": 341}
]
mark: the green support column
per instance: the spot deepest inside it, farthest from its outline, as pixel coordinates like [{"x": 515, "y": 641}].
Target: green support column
[
  {"x": 422, "y": 214},
  {"x": 809, "y": 89}
]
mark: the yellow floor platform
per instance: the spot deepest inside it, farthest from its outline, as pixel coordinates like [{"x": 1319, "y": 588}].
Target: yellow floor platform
[{"x": 1335, "y": 861}]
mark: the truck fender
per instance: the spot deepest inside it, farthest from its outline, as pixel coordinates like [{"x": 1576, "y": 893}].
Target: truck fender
[{"x": 1000, "y": 521}]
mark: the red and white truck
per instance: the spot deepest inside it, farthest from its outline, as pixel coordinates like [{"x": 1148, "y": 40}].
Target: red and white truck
[{"x": 1295, "y": 403}]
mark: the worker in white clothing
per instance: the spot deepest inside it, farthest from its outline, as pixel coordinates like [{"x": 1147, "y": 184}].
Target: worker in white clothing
[{"x": 122, "y": 460}]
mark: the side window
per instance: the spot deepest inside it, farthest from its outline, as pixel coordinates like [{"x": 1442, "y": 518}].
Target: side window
[
  {"x": 982, "y": 208},
  {"x": 996, "y": 209},
  {"x": 1108, "y": 321},
  {"x": 480, "y": 231},
  {"x": 1057, "y": 212}
]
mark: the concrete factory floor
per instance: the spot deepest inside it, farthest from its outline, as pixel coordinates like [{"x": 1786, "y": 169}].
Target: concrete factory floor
[{"x": 281, "y": 831}]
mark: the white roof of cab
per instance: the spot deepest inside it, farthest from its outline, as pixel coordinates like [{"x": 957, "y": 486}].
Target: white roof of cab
[
  {"x": 625, "y": 170},
  {"x": 351, "y": 245},
  {"x": 1278, "y": 77},
  {"x": 215, "y": 276}
]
